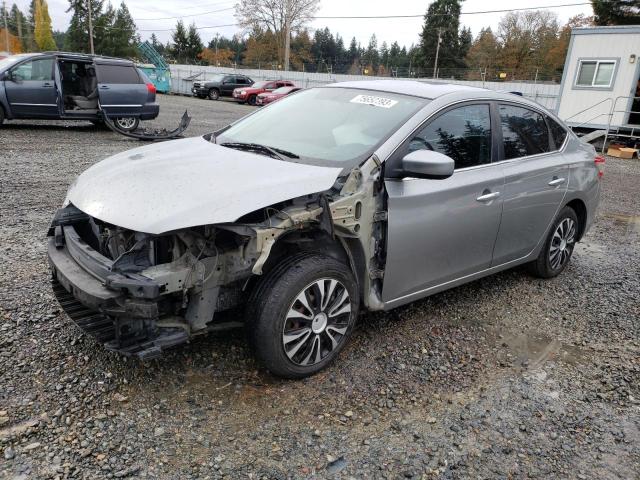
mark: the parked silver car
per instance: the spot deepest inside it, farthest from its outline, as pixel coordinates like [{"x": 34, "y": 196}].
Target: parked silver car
[{"x": 355, "y": 196}]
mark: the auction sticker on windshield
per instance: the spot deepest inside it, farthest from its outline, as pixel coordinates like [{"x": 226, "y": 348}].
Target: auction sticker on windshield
[{"x": 375, "y": 101}]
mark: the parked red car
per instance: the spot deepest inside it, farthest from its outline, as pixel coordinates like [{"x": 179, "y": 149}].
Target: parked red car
[
  {"x": 250, "y": 94},
  {"x": 277, "y": 94}
]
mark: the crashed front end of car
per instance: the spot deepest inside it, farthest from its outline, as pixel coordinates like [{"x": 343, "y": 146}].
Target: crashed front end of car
[{"x": 139, "y": 293}]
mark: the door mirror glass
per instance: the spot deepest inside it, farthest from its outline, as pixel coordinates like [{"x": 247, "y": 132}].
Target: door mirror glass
[{"x": 427, "y": 164}]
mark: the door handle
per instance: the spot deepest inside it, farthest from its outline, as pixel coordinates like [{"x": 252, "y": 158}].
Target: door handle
[
  {"x": 47, "y": 85},
  {"x": 487, "y": 197},
  {"x": 556, "y": 181},
  {"x": 104, "y": 87}
]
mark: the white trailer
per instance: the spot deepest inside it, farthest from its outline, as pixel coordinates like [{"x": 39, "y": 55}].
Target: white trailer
[{"x": 600, "y": 86}]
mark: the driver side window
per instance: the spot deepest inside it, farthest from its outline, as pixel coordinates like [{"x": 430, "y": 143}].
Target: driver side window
[
  {"x": 464, "y": 134},
  {"x": 38, "y": 70}
]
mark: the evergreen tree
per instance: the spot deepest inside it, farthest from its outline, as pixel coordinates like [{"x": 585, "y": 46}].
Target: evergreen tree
[
  {"x": 442, "y": 20},
  {"x": 125, "y": 39},
  {"x": 42, "y": 31},
  {"x": 194, "y": 43},
  {"x": 620, "y": 12},
  {"x": 180, "y": 46},
  {"x": 77, "y": 38}
]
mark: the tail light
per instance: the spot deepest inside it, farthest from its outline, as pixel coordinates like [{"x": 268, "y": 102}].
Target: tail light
[
  {"x": 151, "y": 88},
  {"x": 600, "y": 161}
]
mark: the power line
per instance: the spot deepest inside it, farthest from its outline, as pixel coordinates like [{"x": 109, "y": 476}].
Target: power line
[
  {"x": 183, "y": 16},
  {"x": 479, "y": 12}
]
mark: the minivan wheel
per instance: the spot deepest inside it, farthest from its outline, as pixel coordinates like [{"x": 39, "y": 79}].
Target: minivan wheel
[
  {"x": 301, "y": 315},
  {"x": 127, "y": 124},
  {"x": 251, "y": 100},
  {"x": 558, "y": 247},
  {"x": 214, "y": 94}
]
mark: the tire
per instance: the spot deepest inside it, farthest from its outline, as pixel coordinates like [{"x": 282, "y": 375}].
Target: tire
[
  {"x": 558, "y": 247},
  {"x": 274, "y": 311},
  {"x": 252, "y": 100},
  {"x": 127, "y": 124},
  {"x": 214, "y": 94}
]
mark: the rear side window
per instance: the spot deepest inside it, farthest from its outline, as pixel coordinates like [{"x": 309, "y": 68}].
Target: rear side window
[
  {"x": 463, "y": 134},
  {"x": 241, "y": 81},
  {"x": 117, "y": 74},
  {"x": 558, "y": 133},
  {"x": 524, "y": 132}
]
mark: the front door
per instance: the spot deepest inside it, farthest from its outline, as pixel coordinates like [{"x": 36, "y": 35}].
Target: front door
[
  {"x": 229, "y": 84},
  {"x": 31, "y": 89},
  {"x": 121, "y": 91},
  {"x": 442, "y": 230},
  {"x": 536, "y": 179}
]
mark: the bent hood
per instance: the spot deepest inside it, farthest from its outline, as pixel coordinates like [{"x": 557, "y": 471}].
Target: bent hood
[{"x": 184, "y": 183}]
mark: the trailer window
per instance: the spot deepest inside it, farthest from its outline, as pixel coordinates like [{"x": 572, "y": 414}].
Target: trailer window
[{"x": 595, "y": 73}]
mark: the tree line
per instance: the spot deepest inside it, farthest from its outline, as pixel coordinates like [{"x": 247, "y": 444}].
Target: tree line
[{"x": 526, "y": 45}]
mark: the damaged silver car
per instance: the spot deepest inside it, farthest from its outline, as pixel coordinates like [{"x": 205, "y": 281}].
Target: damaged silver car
[{"x": 351, "y": 197}]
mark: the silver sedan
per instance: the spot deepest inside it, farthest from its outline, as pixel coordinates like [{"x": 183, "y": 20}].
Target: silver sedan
[{"x": 333, "y": 201}]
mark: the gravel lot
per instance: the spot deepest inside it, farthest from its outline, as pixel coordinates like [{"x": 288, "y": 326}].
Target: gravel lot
[{"x": 507, "y": 377}]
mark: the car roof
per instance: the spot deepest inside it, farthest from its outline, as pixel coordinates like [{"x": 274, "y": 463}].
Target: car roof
[{"x": 424, "y": 89}]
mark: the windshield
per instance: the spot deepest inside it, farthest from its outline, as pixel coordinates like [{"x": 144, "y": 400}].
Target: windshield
[
  {"x": 260, "y": 84},
  {"x": 216, "y": 78},
  {"x": 326, "y": 126},
  {"x": 10, "y": 60}
]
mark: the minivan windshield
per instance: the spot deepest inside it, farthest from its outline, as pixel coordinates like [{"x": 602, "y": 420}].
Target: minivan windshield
[{"x": 326, "y": 126}]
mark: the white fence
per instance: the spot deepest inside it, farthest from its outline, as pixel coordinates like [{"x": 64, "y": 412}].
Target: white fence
[{"x": 182, "y": 77}]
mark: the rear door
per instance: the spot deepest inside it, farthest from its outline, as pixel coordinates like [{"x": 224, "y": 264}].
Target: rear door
[
  {"x": 536, "y": 179},
  {"x": 442, "y": 230},
  {"x": 32, "y": 91},
  {"x": 121, "y": 90}
]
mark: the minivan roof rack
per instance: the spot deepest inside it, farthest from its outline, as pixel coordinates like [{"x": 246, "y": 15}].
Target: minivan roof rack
[{"x": 86, "y": 55}]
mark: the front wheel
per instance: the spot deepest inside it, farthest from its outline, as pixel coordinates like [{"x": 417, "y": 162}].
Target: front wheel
[
  {"x": 301, "y": 315},
  {"x": 252, "y": 100},
  {"x": 558, "y": 247},
  {"x": 214, "y": 94},
  {"x": 127, "y": 124}
]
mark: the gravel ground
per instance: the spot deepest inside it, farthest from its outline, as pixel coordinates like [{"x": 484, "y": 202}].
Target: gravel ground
[{"x": 507, "y": 377}]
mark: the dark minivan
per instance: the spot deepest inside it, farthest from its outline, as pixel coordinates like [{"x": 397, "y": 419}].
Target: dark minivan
[{"x": 73, "y": 86}]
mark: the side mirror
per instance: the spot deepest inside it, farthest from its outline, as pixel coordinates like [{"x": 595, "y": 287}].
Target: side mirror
[
  {"x": 427, "y": 164},
  {"x": 7, "y": 76}
]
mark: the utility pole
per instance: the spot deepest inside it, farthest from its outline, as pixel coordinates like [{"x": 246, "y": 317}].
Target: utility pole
[
  {"x": 217, "y": 62},
  {"x": 6, "y": 27},
  {"x": 435, "y": 65},
  {"x": 287, "y": 33},
  {"x": 90, "y": 29}
]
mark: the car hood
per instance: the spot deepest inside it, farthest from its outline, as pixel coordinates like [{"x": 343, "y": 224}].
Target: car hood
[{"x": 189, "y": 182}]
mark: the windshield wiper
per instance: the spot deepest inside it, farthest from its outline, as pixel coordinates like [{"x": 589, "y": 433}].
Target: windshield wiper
[{"x": 274, "y": 152}]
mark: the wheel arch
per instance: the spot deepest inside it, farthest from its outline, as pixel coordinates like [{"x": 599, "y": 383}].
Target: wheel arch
[
  {"x": 580, "y": 207},
  {"x": 346, "y": 250}
]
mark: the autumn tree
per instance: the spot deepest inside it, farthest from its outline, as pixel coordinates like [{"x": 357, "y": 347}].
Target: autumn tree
[
  {"x": 483, "y": 53},
  {"x": 262, "y": 48},
  {"x": 282, "y": 17},
  {"x": 14, "y": 46},
  {"x": 218, "y": 57},
  {"x": 42, "y": 32}
]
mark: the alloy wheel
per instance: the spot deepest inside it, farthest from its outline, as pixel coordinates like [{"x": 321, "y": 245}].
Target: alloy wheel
[
  {"x": 317, "y": 322},
  {"x": 126, "y": 123},
  {"x": 562, "y": 243}
]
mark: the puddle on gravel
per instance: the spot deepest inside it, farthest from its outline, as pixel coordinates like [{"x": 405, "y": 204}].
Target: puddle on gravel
[
  {"x": 630, "y": 223},
  {"x": 534, "y": 350}
]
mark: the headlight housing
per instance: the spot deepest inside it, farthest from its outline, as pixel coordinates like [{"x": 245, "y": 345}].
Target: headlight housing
[{"x": 243, "y": 92}]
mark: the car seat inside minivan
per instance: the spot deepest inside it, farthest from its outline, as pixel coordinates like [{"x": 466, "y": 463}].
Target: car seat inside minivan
[{"x": 79, "y": 86}]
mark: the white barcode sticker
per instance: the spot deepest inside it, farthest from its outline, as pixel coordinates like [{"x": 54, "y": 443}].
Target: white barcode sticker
[{"x": 375, "y": 101}]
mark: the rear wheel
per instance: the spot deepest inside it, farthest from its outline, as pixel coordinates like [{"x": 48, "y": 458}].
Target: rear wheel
[
  {"x": 214, "y": 94},
  {"x": 127, "y": 124},
  {"x": 252, "y": 100},
  {"x": 558, "y": 247},
  {"x": 301, "y": 315}
]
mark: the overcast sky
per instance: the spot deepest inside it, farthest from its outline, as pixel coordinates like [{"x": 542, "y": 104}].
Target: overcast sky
[{"x": 404, "y": 30}]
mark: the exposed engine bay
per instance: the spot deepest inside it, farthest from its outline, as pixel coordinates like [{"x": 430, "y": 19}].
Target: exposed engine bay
[{"x": 171, "y": 286}]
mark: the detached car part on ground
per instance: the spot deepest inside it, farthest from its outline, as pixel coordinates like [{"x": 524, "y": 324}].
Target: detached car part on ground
[{"x": 351, "y": 197}]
